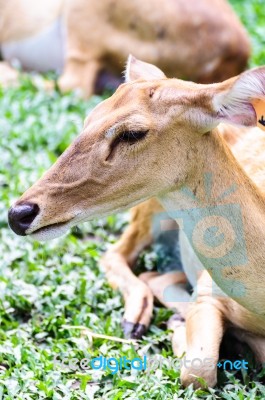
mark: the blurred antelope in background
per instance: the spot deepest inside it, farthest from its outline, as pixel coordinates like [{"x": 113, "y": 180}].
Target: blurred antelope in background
[
  {"x": 201, "y": 41},
  {"x": 159, "y": 137}
]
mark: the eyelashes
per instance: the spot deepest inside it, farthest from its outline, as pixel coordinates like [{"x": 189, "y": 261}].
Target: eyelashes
[{"x": 129, "y": 137}]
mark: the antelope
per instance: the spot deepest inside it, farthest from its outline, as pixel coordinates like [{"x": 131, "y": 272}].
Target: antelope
[
  {"x": 160, "y": 137},
  {"x": 81, "y": 38}
]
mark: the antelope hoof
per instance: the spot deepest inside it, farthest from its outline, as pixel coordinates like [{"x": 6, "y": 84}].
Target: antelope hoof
[
  {"x": 133, "y": 331},
  {"x": 138, "y": 310},
  {"x": 190, "y": 376}
]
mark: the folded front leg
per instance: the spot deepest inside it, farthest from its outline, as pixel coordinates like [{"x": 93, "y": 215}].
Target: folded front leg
[
  {"x": 118, "y": 261},
  {"x": 137, "y": 295}
]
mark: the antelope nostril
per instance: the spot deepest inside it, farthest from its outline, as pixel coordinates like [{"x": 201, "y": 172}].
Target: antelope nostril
[{"x": 21, "y": 216}]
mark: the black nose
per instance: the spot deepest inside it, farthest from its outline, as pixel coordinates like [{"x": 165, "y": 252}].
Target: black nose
[{"x": 20, "y": 217}]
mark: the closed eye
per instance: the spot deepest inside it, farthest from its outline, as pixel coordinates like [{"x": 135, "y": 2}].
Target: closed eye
[{"x": 130, "y": 137}]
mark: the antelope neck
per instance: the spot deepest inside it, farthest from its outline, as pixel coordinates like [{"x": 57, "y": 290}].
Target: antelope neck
[{"x": 223, "y": 215}]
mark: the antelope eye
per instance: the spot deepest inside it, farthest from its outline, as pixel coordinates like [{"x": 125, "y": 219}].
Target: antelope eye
[{"x": 131, "y": 137}]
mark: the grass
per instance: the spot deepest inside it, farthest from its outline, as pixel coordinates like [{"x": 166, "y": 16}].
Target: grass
[{"x": 44, "y": 287}]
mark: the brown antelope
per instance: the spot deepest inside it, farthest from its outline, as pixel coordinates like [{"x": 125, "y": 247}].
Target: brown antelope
[
  {"x": 83, "y": 37},
  {"x": 159, "y": 137}
]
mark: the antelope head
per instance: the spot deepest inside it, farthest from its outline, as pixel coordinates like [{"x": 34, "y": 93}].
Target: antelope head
[{"x": 146, "y": 140}]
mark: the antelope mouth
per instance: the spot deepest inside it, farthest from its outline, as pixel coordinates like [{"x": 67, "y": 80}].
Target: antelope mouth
[
  {"x": 51, "y": 231},
  {"x": 47, "y": 227}
]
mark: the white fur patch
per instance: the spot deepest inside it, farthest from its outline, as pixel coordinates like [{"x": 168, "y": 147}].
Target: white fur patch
[
  {"x": 128, "y": 69},
  {"x": 111, "y": 132},
  {"x": 42, "y": 52}
]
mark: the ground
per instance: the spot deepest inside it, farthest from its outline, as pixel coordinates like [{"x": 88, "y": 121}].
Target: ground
[{"x": 46, "y": 289}]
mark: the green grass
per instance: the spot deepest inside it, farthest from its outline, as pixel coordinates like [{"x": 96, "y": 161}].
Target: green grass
[
  {"x": 46, "y": 286},
  {"x": 252, "y": 14}
]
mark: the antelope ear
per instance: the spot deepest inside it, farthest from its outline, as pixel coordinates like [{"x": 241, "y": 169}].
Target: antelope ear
[
  {"x": 136, "y": 69},
  {"x": 238, "y": 100}
]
